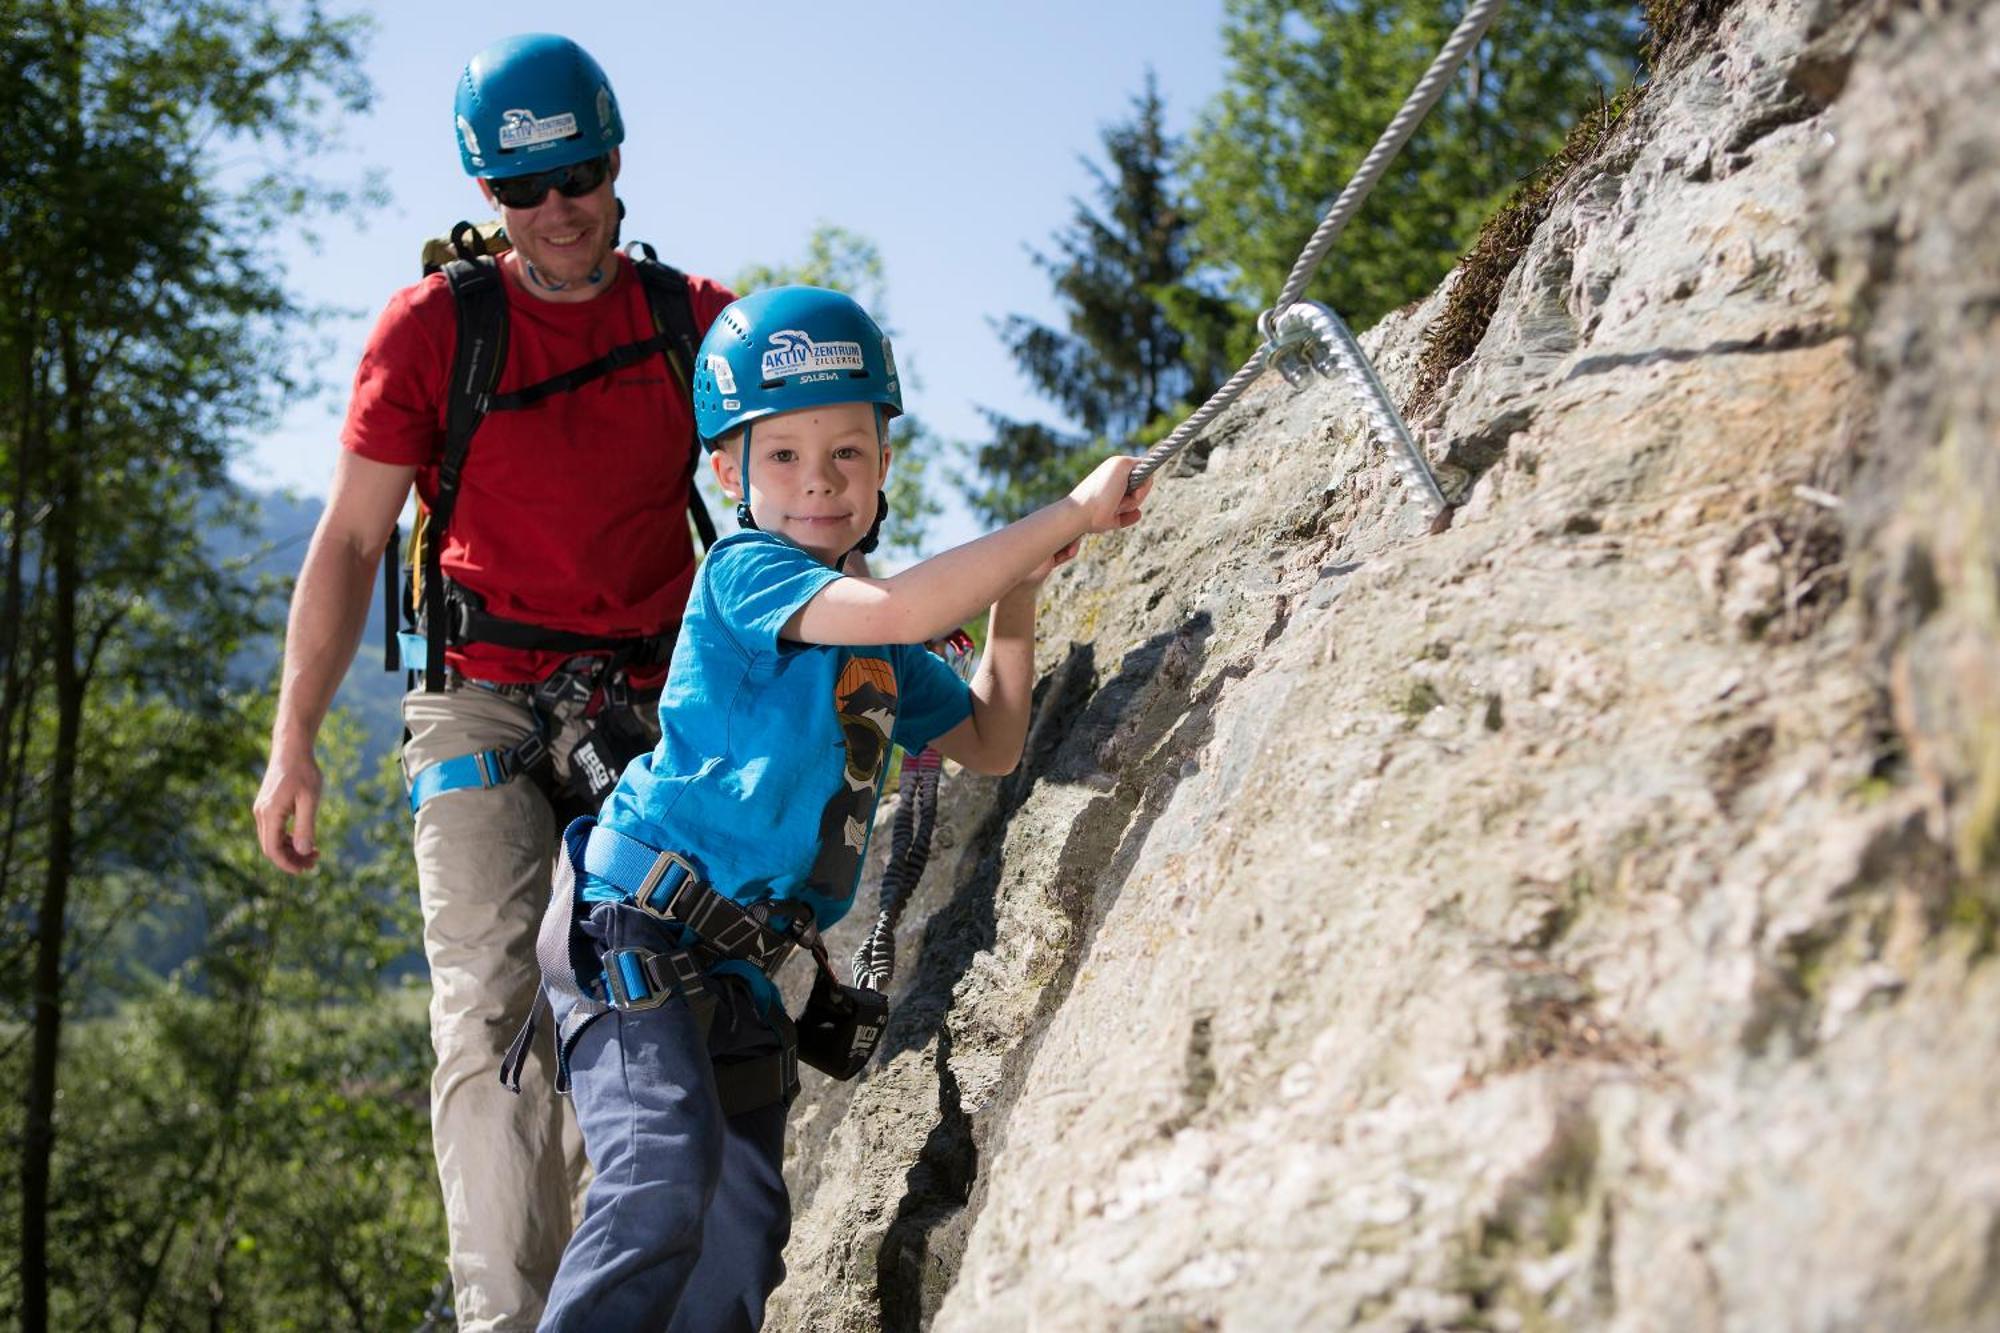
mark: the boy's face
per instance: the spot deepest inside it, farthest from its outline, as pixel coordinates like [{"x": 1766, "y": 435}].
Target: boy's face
[{"x": 813, "y": 475}]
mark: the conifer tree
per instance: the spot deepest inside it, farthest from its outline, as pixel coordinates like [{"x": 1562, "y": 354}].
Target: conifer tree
[
  {"x": 1119, "y": 270},
  {"x": 1309, "y": 88}
]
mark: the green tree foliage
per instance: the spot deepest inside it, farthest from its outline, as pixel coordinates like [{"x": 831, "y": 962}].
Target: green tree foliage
[
  {"x": 257, "y": 1152},
  {"x": 169, "y": 1127},
  {"x": 1123, "y": 277},
  {"x": 846, "y": 261},
  {"x": 1308, "y": 90}
]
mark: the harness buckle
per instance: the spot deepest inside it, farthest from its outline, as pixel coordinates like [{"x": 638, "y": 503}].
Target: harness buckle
[
  {"x": 668, "y": 875},
  {"x": 571, "y": 683},
  {"x": 629, "y": 983},
  {"x": 530, "y": 752},
  {"x": 646, "y": 979},
  {"x": 458, "y": 610}
]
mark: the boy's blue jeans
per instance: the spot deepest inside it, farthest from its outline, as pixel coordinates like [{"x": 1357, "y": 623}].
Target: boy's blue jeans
[{"x": 685, "y": 1223}]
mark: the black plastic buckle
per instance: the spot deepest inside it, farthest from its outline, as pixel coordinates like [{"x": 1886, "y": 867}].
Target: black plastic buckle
[
  {"x": 571, "y": 683},
  {"x": 618, "y": 982},
  {"x": 528, "y": 753},
  {"x": 458, "y": 614},
  {"x": 658, "y": 891},
  {"x": 629, "y": 354},
  {"x": 617, "y": 691}
]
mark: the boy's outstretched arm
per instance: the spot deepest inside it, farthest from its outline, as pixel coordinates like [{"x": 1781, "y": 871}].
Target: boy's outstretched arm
[
  {"x": 990, "y": 740},
  {"x": 942, "y": 593}
]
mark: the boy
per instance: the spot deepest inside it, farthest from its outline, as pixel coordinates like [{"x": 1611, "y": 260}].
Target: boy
[{"x": 742, "y": 834}]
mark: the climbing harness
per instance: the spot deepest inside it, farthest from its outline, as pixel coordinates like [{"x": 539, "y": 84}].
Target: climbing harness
[
  {"x": 1314, "y": 337},
  {"x": 657, "y": 948},
  {"x": 436, "y": 612},
  {"x": 874, "y": 962},
  {"x": 590, "y": 686},
  {"x": 664, "y": 945},
  {"x": 841, "y": 1025}
]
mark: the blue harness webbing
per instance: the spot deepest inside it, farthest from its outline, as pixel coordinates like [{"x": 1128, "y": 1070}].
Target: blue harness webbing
[
  {"x": 487, "y": 768},
  {"x": 639, "y": 967},
  {"x": 664, "y": 884}
]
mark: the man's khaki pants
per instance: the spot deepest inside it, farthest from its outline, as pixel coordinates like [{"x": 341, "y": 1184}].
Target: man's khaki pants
[{"x": 511, "y": 1166}]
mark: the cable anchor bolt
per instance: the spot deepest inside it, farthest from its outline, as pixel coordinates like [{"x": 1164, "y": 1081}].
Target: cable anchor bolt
[{"x": 1307, "y": 338}]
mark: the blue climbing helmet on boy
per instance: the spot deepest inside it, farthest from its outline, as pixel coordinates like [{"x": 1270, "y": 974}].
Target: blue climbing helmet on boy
[
  {"x": 790, "y": 348},
  {"x": 787, "y": 348},
  {"x": 534, "y": 103}
]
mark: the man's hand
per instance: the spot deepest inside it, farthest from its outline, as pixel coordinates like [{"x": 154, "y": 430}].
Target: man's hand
[
  {"x": 329, "y": 607},
  {"x": 285, "y": 809}
]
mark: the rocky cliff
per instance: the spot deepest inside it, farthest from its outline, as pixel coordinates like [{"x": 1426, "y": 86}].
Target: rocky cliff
[{"x": 1582, "y": 917}]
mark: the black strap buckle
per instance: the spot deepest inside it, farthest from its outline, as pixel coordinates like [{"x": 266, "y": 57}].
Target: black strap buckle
[
  {"x": 644, "y": 979},
  {"x": 617, "y": 690},
  {"x": 571, "y": 683},
  {"x": 527, "y": 754},
  {"x": 631, "y": 354},
  {"x": 658, "y": 893}
]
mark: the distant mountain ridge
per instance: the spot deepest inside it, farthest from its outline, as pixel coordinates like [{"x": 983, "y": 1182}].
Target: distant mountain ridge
[{"x": 276, "y": 547}]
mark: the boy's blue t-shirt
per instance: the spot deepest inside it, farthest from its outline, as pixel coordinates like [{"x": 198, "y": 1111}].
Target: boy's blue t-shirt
[{"x": 772, "y": 753}]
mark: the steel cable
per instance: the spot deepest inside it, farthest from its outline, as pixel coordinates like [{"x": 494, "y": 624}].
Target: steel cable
[{"x": 1415, "y": 107}]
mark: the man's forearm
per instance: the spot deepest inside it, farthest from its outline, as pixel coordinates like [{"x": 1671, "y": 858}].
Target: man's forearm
[{"x": 329, "y": 610}]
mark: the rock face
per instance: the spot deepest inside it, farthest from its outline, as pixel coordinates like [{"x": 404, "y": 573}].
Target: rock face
[{"x": 1580, "y": 918}]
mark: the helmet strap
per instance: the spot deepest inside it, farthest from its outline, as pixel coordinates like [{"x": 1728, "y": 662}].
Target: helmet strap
[
  {"x": 874, "y": 538},
  {"x": 868, "y": 544},
  {"x": 744, "y": 519}
]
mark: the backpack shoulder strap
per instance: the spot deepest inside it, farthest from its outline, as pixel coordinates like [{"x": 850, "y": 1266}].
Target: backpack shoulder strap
[
  {"x": 480, "y": 298},
  {"x": 673, "y": 316},
  {"x": 673, "y": 310}
]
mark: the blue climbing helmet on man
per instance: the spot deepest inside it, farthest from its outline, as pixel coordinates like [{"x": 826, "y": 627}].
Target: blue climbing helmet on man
[{"x": 534, "y": 103}]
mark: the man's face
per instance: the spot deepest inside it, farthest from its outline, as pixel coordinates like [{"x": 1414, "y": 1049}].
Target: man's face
[
  {"x": 565, "y": 239},
  {"x": 813, "y": 475}
]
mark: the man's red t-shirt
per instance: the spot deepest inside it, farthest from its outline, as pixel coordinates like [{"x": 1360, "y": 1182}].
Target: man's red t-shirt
[{"x": 571, "y": 514}]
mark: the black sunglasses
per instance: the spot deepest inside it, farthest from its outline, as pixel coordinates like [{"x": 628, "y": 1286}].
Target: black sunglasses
[{"x": 572, "y": 182}]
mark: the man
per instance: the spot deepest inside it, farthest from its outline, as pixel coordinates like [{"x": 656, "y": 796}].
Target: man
[{"x": 548, "y": 636}]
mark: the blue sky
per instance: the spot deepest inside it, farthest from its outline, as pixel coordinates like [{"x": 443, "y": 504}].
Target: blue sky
[{"x": 948, "y": 134}]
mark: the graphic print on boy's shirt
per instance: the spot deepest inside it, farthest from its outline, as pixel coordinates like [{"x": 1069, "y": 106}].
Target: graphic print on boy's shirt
[{"x": 864, "y": 699}]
